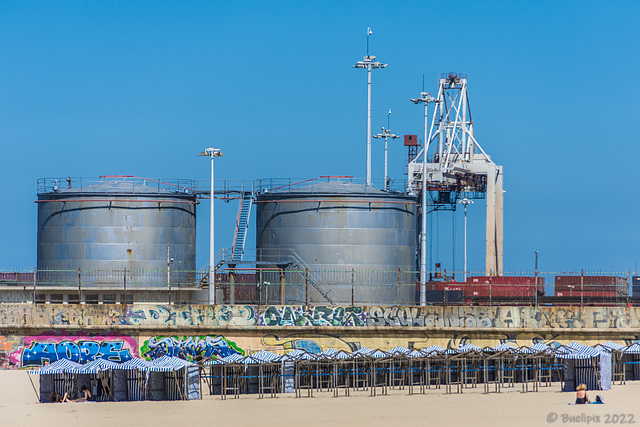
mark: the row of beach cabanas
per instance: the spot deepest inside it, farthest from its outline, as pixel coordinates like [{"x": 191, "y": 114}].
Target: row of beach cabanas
[
  {"x": 303, "y": 373},
  {"x": 417, "y": 370},
  {"x": 166, "y": 378}
]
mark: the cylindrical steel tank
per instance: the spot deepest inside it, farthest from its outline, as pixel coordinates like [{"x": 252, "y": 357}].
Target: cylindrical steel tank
[
  {"x": 93, "y": 231},
  {"x": 347, "y": 242}
]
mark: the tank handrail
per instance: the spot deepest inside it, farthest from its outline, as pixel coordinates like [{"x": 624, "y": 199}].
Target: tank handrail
[
  {"x": 335, "y": 201},
  {"x": 118, "y": 200}
]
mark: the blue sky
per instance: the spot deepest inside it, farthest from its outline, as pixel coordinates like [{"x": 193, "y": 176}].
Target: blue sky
[{"x": 140, "y": 88}]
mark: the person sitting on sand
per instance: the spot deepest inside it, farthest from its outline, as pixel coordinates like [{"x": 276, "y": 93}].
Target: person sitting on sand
[
  {"x": 86, "y": 396},
  {"x": 581, "y": 395},
  {"x": 55, "y": 397}
]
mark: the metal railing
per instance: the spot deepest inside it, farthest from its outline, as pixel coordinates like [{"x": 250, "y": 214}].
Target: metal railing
[{"x": 299, "y": 285}]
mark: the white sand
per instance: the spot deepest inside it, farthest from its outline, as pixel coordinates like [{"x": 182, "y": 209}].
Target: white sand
[{"x": 19, "y": 406}]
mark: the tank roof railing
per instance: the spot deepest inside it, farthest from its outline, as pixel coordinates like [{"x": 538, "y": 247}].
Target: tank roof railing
[
  {"x": 130, "y": 183},
  {"x": 284, "y": 185},
  {"x": 227, "y": 189}
]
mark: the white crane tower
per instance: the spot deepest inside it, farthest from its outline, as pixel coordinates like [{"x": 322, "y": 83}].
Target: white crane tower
[{"x": 458, "y": 166}]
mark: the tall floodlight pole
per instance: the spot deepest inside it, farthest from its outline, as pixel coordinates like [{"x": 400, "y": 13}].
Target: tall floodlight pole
[
  {"x": 212, "y": 153},
  {"x": 386, "y": 134},
  {"x": 425, "y": 98},
  {"x": 369, "y": 62},
  {"x": 536, "y": 280},
  {"x": 465, "y": 202}
]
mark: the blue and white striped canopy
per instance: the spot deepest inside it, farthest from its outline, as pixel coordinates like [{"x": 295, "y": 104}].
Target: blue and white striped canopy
[
  {"x": 363, "y": 351},
  {"x": 169, "y": 363},
  {"x": 95, "y": 366},
  {"x": 297, "y": 354},
  {"x": 632, "y": 349},
  {"x": 540, "y": 348},
  {"x": 415, "y": 353},
  {"x": 342, "y": 355},
  {"x": 504, "y": 347},
  {"x": 398, "y": 350},
  {"x": 60, "y": 366},
  {"x": 578, "y": 351},
  {"x": 610, "y": 345},
  {"x": 134, "y": 364},
  {"x": 232, "y": 358},
  {"x": 265, "y": 356},
  {"x": 468, "y": 347},
  {"x": 378, "y": 354},
  {"x": 433, "y": 349}
]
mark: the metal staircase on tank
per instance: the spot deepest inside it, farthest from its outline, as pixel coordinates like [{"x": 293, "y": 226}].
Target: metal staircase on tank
[
  {"x": 242, "y": 224},
  {"x": 303, "y": 268}
]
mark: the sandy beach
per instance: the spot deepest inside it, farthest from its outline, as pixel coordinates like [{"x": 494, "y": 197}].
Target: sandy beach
[{"x": 19, "y": 405}]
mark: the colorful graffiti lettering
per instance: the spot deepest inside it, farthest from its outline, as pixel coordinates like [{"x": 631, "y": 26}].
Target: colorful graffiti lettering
[
  {"x": 313, "y": 344},
  {"x": 190, "y": 315},
  {"x": 78, "y": 347},
  {"x": 4, "y": 344},
  {"x": 312, "y": 316},
  {"x": 189, "y": 348}
]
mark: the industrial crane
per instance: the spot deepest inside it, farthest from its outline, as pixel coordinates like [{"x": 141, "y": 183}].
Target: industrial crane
[{"x": 457, "y": 168}]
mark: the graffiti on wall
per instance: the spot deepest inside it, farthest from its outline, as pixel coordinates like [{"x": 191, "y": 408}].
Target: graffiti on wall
[
  {"x": 190, "y": 315},
  {"x": 189, "y": 348},
  {"x": 79, "y": 347},
  {"x": 312, "y": 316},
  {"x": 312, "y": 343},
  {"x": 160, "y": 315},
  {"x": 427, "y": 316}
]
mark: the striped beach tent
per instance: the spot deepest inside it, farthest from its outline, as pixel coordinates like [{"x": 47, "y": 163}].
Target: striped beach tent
[
  {"x": 415, "y": 353},
  {"x": 541, "y": 348},
  {"x": 232, "y": 358},
  {"x": 610, "y": 346},
  {"x": 95, "y": 366},
  {"x": 328, "y": 352},
  {"x": 632, "y": 349},
  {"x": 378, "y": 354},
  {"x": 398, "y": 350},
  {"x": 504, "y": 347},
  {"x": 342, "y": 355},
  {"x": 134, "y": 364},
  {"x": 60, "y": 366},
  {"x": 172, "y": 363},
  {"x": 433, "y": 349},
  {"x": 468, "y": 347},
  {"x": 297, "y": 354},
  {"x": 363, "y": 351},
  {"x": 265, "y": 356}
]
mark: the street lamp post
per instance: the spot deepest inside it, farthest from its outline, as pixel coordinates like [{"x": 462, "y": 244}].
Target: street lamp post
[
  {"x": 369, "y": 62},
  {"x": 425, "y": 98},
  {"x": 386, "y": 134},
  {"x": 465, "y": 202},
  {"x": 212, "y": 153}
]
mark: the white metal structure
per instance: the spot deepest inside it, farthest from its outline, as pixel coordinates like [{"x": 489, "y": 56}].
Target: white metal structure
[
  {"x": 459, "y": 164},
  {"x": 369, "y": 63},
  {"x": 212, "y": 153}
]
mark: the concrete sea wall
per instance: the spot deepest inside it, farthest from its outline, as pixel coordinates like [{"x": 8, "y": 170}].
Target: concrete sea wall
[{"x": 34, "y": 334}]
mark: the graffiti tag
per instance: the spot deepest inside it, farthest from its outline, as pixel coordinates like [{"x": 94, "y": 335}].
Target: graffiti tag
[
  {"x": 189, "y": 348},
  {"x": 79, "y": 347},
  {"x": 316, "y": 316}
]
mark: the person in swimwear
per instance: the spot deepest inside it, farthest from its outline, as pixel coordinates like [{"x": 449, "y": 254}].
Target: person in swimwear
[
  {"x": 581, "y": 395},
  {"x": 85, "y": 396}
]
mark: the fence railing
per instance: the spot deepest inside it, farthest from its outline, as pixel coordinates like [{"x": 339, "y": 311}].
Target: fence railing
[{"x": 303, "y": 286}]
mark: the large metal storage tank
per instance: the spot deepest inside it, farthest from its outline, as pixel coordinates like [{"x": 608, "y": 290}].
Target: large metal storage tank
[
  {"x": 356, "y": 242},
  {"x": 105, "y": 226}
]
